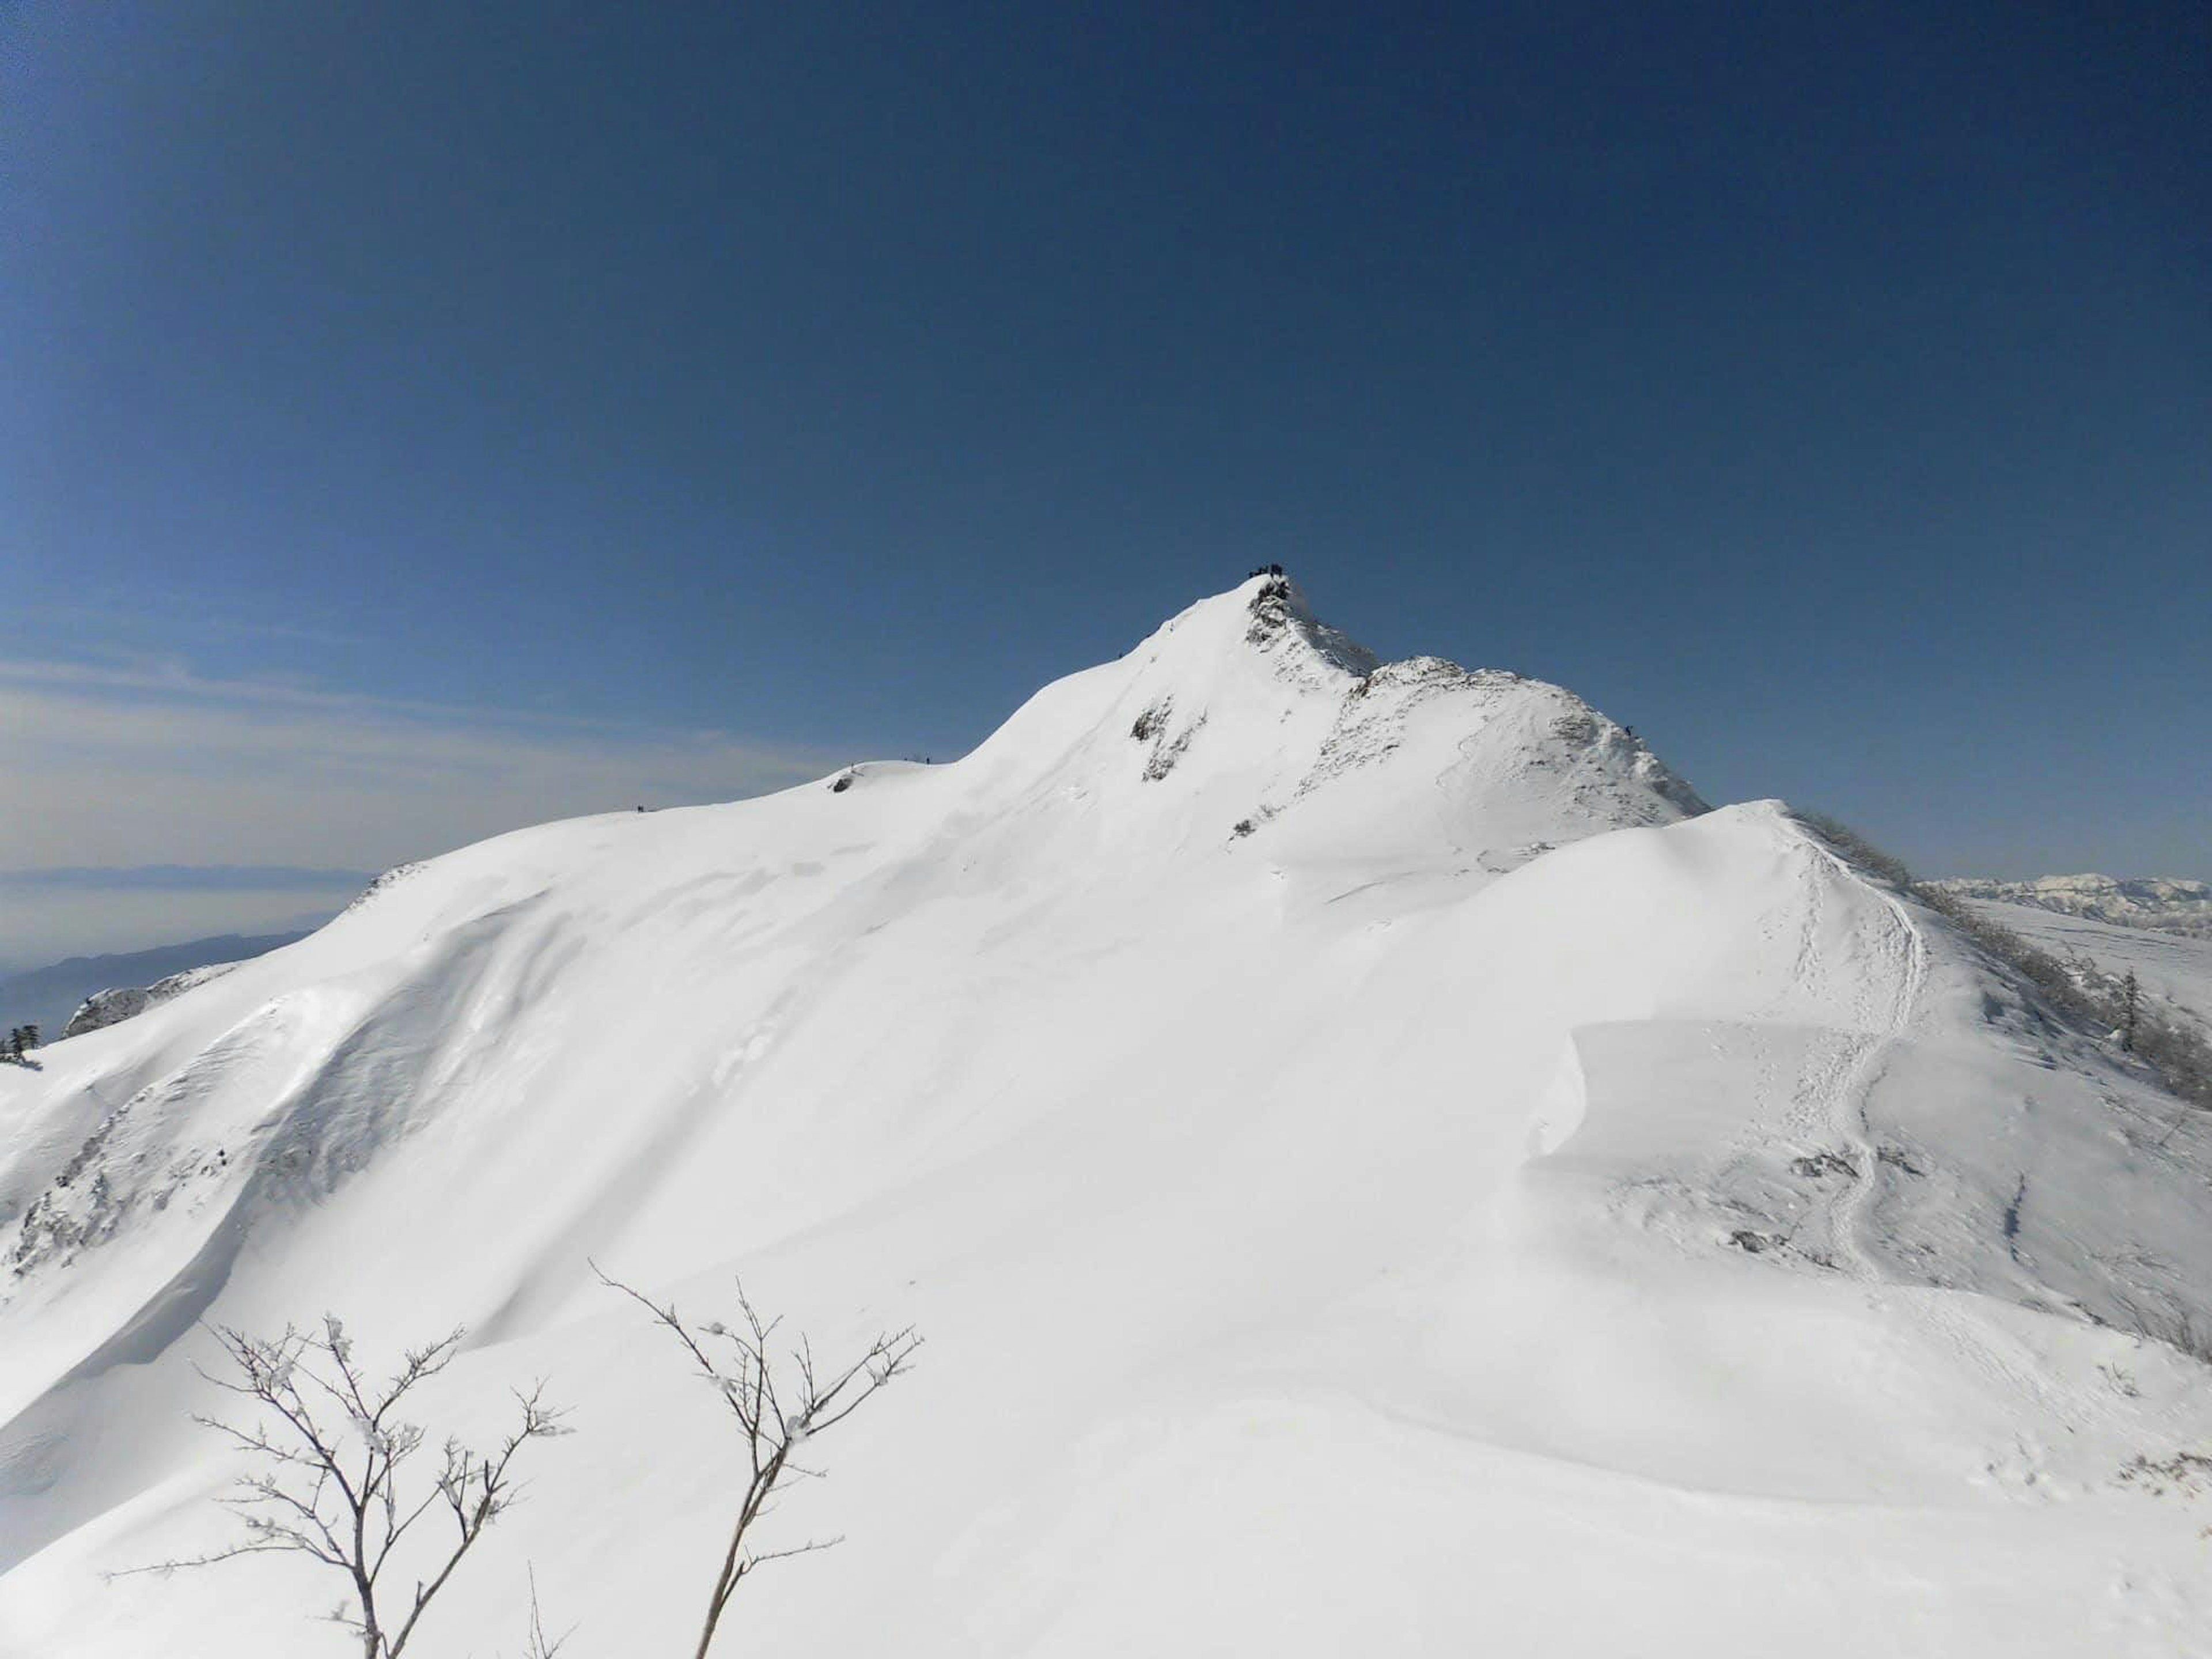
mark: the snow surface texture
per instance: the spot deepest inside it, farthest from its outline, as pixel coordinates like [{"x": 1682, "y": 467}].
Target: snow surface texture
[
  {"x": 1378, "y": 1169},
  {"x": 2175, "y": 906}
]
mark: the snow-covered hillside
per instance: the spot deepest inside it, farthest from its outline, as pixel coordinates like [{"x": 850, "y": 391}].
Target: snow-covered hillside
[
  {"x": 1378, "y": 1168},
  {"x": 2175, "y": 968}
]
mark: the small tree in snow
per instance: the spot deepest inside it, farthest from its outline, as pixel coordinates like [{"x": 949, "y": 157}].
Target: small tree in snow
[
  {"x": 781, "y": 1401},
  {"x": 2131, "y": 1010},
  {"x": 330, "y": 1447}
]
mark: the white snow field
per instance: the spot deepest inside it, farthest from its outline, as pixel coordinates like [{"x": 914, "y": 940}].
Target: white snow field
[{"x": 1490, "y": 1206}]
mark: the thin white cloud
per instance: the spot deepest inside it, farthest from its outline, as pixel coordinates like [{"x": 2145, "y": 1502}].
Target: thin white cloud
[
  {"x": 149, "y": 762},
  {"x": 150, "y": 612}
]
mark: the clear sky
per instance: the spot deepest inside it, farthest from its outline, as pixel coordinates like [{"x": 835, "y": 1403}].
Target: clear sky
[{"x": 420, "y": 419}]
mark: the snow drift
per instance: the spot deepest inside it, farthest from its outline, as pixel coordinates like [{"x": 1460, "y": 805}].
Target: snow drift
[{"x": 1379, "y": 1169}]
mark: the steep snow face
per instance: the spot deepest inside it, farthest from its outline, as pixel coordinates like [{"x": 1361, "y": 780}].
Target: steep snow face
[
  {"x": 2176, "y": 907},
  {"x": 1377, "y": 1167}
]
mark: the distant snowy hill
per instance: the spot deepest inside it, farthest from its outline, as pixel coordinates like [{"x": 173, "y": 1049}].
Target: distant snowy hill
[
  {"x": 1380, "y": 1169},
  {"x": 46, "y": 997},
  {"x": 2173, "y": 907}
]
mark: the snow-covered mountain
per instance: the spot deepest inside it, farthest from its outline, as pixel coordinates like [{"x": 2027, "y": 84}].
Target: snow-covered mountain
[
  {"x": 2167, "y": 906},
  {"x": 1378, "y": 1167}
]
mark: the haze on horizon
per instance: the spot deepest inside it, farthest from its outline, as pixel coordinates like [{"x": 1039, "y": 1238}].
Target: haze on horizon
[{"x": 421, "y": 422}]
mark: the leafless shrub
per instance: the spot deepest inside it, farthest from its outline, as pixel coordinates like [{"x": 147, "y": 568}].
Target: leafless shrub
[
  {"x": 330, "y": 1447},
  {"x": 2180, "y": 1055},
  {"x": 2186, "y": 1473},
  {"x": 1856, "y": 850},
  {"x": 780, "y": 1399}
]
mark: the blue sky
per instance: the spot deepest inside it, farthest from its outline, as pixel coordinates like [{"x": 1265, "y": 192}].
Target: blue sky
[{"x": 419, "y": 419}]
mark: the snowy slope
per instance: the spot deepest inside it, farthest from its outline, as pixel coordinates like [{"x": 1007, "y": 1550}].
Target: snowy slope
[{"x": 1379, "y": 1169}]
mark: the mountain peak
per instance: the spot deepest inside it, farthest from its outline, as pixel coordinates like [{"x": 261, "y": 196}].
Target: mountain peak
[
  {"x": 1281, "y": 618},
  {"x": 1269, "y": 614},
  {"x": 1245, "y": 715}
]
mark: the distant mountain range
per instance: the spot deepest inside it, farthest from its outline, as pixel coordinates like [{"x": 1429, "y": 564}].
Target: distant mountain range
[
  {"x": 46, "y": 997},
  {"x": 2167, "y": 906}
]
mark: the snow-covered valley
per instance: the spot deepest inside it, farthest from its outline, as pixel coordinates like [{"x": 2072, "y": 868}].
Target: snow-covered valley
[{"x": 1379, "y": 1167}]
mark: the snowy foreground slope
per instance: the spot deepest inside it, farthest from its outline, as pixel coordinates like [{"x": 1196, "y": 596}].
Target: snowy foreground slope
[{"x": 1378, "y": 1170}]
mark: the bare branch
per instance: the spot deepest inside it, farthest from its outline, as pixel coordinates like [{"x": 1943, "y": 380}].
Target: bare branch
[
  {"x": 329, "y": 1451},
  {"x": 536, "y": 1645},
  {"x": 780, "y": 1403}
]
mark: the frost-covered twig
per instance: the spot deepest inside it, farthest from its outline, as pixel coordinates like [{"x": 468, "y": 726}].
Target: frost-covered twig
[
  {"x": 331, "y": 1445},
  {"x": 781, "y": 1401},
  {"x": 538, "y": 1645}
]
